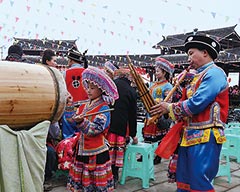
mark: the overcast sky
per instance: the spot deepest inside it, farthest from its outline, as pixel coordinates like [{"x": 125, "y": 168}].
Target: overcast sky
[{"x": 112, "y": 26}]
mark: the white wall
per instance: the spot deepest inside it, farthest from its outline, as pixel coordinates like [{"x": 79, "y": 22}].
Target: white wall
[{"x": 234, "y": 78}]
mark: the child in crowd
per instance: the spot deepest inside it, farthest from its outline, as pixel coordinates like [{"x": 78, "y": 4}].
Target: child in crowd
[{"x": 91, "y": 166}]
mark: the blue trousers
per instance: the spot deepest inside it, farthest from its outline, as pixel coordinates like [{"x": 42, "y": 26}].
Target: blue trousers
[
  {"x": 197, "y": 166},
  {"x": 51, "y": 162}
]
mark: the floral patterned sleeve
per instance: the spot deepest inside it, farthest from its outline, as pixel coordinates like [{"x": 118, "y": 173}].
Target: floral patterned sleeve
[
  {"x": 97, "y": 125},
  {"x": 69, "y": 112}
]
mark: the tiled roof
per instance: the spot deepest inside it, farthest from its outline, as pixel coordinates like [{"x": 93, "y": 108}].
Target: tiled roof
[
  {"x": 223, "y": 35},
  {"x": 36, "y": 46},
  {"x": 227, "y": 36},
  {"x": 229, "y": 57}
]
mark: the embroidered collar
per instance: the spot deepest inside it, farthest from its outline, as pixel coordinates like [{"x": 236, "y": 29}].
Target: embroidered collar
[
  {"x": 199, "y": 70},
  {"x": 161, "y": 82},
  {"x": 94, "y": 103}
]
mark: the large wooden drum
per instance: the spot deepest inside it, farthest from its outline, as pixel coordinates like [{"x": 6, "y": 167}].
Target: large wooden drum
[{"x": 29, "y": 94}]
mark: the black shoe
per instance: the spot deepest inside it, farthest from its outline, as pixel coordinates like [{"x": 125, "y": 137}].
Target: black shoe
[
  {"x": 127, "y": 140},
  {"x": 47, "y": 186},
  {"x": 139, "y": 159},
  {"x": 157, "y": 160}
]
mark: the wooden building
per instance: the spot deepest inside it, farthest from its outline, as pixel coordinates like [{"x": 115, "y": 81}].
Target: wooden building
[{"x": 170, "y": 47}]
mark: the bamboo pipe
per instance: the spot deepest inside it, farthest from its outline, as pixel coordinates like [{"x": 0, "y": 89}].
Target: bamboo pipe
[
  {"x": 177, "y": 84},
  {"x": 142, "y": 87},
  {"x": 154, "y": 118},
  {"x": 96, "y": 113},
  {"x": 147, "y": 99}
]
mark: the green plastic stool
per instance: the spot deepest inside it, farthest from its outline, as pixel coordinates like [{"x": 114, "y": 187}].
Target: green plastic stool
[
  {"x": 144, "y": 169},
  {"x": 224, "y": 166},
  {"x": 233, "y": 131},
  {"x": 233, "y": 125},
  {"x": 61, "y": 172},
  {"x": 234, "y": 143}
]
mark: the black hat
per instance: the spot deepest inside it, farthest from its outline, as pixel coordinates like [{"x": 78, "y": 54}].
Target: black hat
[
  {"x": 75, "y": 55},
  {"x": 203, "y": 42},
  {"x": 15, "y": 49}
]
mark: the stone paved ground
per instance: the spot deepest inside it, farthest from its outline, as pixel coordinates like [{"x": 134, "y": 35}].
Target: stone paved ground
[{"x": 160, "y": 183}]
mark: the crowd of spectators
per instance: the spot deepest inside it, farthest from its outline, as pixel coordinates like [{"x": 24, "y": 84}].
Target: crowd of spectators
[{"x": 234, "y": 91}]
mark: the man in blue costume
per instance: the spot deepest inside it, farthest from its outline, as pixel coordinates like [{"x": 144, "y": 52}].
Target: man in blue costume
[{"x": 203, "y": 113}]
